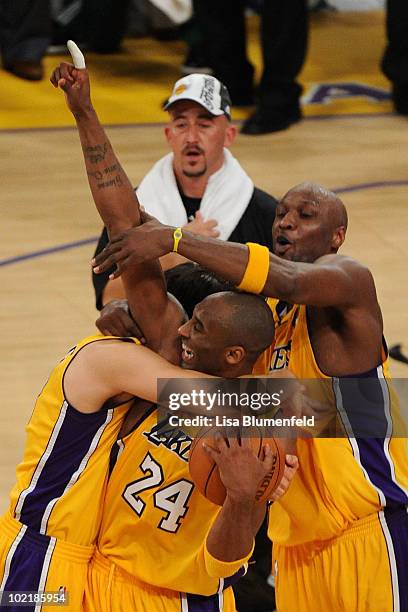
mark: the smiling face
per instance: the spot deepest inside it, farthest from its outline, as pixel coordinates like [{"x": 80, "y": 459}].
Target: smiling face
[
  {"x": 310, "y": 222},
  {"x": 226, "y": 334},
  {"x": 197, "y": 139},
  {"x": 203, "y": 338}
]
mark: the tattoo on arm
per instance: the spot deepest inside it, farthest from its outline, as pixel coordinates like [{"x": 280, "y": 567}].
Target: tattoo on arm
[
  {"x": 115, "y": 182},
  {"x": 96, "y": 153},
  {"x": 114, "y": 168},
  {"x": 98, "y": 174}
]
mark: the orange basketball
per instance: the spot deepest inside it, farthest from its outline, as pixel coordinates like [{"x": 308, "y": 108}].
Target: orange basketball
[{"x": 206, "y": 477}]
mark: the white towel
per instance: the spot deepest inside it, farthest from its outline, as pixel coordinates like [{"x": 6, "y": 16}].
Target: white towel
[{"x": 225, "y": 199}]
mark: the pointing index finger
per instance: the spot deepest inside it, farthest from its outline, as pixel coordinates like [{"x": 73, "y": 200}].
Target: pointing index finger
[{"x": 76, "y": 54}]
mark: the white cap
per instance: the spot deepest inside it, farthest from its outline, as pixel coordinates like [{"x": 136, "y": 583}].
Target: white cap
[{"x": 203, "y": 89}]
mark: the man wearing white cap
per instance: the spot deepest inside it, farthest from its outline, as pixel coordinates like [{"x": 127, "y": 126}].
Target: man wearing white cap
[{"x": 200, "y": 183}]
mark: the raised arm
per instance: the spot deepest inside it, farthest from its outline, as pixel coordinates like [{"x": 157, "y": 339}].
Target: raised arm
[{"x": 115, "y": 200}]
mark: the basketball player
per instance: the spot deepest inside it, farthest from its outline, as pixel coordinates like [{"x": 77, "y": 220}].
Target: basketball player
[
  {"x": 340, "y": 535},
  {"x": 154, "y": 459},
  {"x": 46, "y": 537}
]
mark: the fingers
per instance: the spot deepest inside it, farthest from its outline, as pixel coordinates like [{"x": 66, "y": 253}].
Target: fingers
[
  {"x": 292, "y": 461},
  {"x": 221, "y": 443},
  {"x": 109, "y": 328},
  {"x": 211, "y": 223},
  {"x": 267, "y": 457},
  {"x": 277, "y": 494},
  {"x": 118, "y": 323},
  {"x": 266, "y": 452},
  {"x": 291, "y": 467},
  {"x": 63, "y": 76},
  {"x": 55, "y": 77},
  {"x": 211, "y": 452},
  {"x": 113, "y": 254},
  {"x": 116, "y": 320},
  {"x": 210, "y": 228},
  {"x": 213, "y": 233},
  {"x": 67, "y": 71},
  {"x": 76, "y": 54},
  {"x": 120, "y": 268}
]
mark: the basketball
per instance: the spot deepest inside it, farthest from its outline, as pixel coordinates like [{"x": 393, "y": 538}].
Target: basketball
[{"x": 205, "y": 474}]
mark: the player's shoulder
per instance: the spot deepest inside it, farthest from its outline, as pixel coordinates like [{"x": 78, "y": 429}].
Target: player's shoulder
[
  {"x": 99, "y": 344},
  {"x": 344, "y": 262},
  {"x": 356, "y": 278}
]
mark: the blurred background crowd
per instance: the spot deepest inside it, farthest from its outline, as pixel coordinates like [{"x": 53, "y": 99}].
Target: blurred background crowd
[{"x": 214, "y": 32}]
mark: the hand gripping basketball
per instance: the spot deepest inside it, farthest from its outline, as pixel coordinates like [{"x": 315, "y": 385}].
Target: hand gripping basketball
[{"x": 206, "y": 475}]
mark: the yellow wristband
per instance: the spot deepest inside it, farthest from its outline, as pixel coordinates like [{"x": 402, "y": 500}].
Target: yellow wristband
[
  {"x": 257, "y": 268},
  {"x": 224, "y": 569},
  {"x": 177, "y": 236}
]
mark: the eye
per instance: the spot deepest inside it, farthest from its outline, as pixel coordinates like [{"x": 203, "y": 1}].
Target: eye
[
  {"x": 280, "y": 213},
  {"x": 305, "y": 214},
  {"x": 205, "y": 124},
  {"x": 197, "y": 326}
]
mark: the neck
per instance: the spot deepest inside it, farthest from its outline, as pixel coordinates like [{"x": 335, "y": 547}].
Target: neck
[{"x": 244, "y": 369}]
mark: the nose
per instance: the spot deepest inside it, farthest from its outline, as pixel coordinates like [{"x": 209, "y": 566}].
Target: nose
[
  {"x": 288, "y": 221},
  {"x": 184, "y": 329},
  {"x": 192, "y": 133}
]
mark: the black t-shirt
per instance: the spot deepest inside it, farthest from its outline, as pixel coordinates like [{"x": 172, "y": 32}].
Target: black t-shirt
[
  {"x": 191, "y": 205},
  {"x": 255, "y": 225}
]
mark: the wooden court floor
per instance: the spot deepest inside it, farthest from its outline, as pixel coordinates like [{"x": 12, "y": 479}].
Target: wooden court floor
[{"x": 47, "y": 301}]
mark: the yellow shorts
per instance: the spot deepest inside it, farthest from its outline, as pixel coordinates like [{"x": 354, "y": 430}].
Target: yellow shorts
[
  {"x": 363, "y": 570},
  {"x": 33, "y": 562},
  {"x": 111, "y": 589}
]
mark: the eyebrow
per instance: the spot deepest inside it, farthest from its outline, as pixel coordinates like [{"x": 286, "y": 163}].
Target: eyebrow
[
  {"x": 312, "y": 202},
  {"x": 198, "y": 320}
]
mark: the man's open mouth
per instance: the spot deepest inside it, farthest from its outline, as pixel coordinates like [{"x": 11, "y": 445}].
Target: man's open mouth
[{"x": 186, "y": 354}]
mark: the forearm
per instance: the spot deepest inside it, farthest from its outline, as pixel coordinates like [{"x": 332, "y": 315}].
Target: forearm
[
  {"x": 271, "y": 275},
  {"x": 114, "y": 290},
  {"x": 329, "y": 281},
  {"x": 111, "y": 189},
  {"x": 231, "y": 537},
  {"x": 226, "y": 259},
  {"x": 118, "y": 206}
]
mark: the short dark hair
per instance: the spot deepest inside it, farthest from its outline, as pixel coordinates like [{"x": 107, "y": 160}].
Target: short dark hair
[
  {"x": 191, "y": 283},
  {"x": 250, "y": 322}
]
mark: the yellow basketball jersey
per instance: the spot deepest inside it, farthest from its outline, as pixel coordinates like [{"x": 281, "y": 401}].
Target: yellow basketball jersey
[
  {"x": 341, "y": 479},
  {"x": 154, "y": 520},
  {"x": 62, "y": 478}
]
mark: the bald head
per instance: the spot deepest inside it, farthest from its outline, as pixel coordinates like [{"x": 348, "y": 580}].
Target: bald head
[
  {"x": 336, "y": 211},
  {"x": 310, "y": 222}
]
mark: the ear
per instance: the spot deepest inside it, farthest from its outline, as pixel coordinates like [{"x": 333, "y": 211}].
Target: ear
[
  {"x": 230, "y": 134},
  {"x": 168, "y": 133},
  {"x": 338, "y": 237},
  {"x": 234, "y": 355}
]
